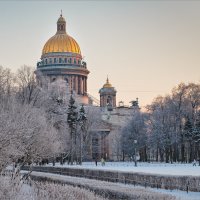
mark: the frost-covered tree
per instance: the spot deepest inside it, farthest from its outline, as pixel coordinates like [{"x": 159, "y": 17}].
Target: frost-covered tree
[
  {"x": 135, "y": 130},
  {"x": 172, "y": 124},
  {"x": 82, "y": 120},
  {"x": 26, "y": 136},
  {"x": 28, "y": 90},
  {"x": 72, "y": 118}
]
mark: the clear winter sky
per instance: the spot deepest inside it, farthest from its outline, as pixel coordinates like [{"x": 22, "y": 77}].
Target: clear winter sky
[{"x": 145, "y": 47}]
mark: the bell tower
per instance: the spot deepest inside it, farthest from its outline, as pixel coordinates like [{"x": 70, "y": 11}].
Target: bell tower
[{"x": 108, "y": 96}]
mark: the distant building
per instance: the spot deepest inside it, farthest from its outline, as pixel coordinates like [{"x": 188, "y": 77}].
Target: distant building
[{"x": 61, "y": 60}]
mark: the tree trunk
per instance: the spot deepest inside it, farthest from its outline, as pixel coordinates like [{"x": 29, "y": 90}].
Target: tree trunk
[
  {"x": 171, "y": 153},
  {"x": 182, "y": 152},
  {"x": 167, "y": 155},
  {"x": 71, "y": 149},
  {"x": 157, "y": 152}
]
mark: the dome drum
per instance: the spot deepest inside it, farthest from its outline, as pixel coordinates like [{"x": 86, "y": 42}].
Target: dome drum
[
  {"x": 61, "y": 60},
  {"x": 63, "y": 71}
]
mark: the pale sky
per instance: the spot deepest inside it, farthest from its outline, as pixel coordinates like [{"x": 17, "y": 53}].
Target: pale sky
[{"x": 145, "y": 47}]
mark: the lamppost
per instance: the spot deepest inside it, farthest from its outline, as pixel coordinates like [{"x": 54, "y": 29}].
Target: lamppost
[{"x": 135, "y": 143}]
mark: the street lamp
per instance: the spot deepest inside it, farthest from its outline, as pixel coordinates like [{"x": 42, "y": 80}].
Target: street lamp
[{"x": 135, "y": 143}]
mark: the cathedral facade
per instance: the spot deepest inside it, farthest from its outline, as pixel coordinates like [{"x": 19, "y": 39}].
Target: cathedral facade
[{"x": 61, "y": 60}]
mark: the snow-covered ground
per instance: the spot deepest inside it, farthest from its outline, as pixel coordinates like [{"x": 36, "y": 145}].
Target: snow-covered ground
[
  {"x": 153, "y": 168},
  {"x": 180, "y": 195}
]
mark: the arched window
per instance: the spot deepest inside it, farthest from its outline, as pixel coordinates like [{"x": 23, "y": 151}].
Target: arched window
[
  {"x": 65, "y": 60},
  {"x": 109, "y": 100},
  {"x": 70, "y": 60},
  {"x": 66, "y": 79}
]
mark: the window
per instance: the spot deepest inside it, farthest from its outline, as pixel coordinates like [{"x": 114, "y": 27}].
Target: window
[
  {"x": 45, "y": 61},
  {"x": 50, "y": 60},
  {"x": 60, "y": 60},
  {"x": 70, "y": 60},
  {"x": 74, "y": 60},
  {"x": 109, "y": 100},
  {"x": 65, "y": 60},
  {"x": 79, "y": 62},
  {"x": 54, "y": 60},
  {"x": 66, "y": 80}
]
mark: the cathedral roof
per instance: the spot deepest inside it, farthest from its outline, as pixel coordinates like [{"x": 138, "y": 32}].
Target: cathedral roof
[
  {"x": 107, "y": 88},
  {"x": 61, "y": 42}
]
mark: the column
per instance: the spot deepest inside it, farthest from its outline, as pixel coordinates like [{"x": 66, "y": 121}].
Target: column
[
  {"x": 81, "y": 78},
  {"x": 79, "y": 85},
  {"x": 76, "y": 84},
  {"x": 70, "y": 83},
  {"x": 83, "y": 85},
  {"x": 86, "y": 84}
]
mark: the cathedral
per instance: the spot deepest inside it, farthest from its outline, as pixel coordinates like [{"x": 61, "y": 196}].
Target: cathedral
[{"x": 61, "y": 60}]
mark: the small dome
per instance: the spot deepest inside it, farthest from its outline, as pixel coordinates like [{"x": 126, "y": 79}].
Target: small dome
[
  {"x": 107, "y": 84},
  {"x": 61, "y": 19},
  {"x": 61, "y": 41}
]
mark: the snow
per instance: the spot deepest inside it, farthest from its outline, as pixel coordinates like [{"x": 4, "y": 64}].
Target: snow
[
  {"x": 180, "y": 195},
  {"x": 176, "y": 169}
]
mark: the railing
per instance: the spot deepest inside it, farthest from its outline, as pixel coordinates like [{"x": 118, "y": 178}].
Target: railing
[{"x": 39, "y": 65}]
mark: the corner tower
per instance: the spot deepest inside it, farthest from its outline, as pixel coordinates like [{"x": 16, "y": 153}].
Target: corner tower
[
  {"x": 108, "y": 96},
  {"x": 62, "y": 60}
]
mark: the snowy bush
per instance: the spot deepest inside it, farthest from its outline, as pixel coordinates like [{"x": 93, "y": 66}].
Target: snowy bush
[
  {"x": 51, "y": 191},
  {"x": 105, "y": 189},
  {"x": 17, "y": 190}
]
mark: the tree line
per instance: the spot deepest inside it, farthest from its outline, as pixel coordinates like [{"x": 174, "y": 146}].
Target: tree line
[{"x": 169, "y": 128}]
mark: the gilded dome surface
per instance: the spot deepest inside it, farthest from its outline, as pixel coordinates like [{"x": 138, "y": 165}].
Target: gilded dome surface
[
  {"x": 61, "y": 41},
  {"x": 107, "y": 84}
]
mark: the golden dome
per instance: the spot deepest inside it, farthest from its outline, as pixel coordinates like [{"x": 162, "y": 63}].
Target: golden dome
[
  {"x": 61, "y": 41},
  {"x": 107, "y": 84}
]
